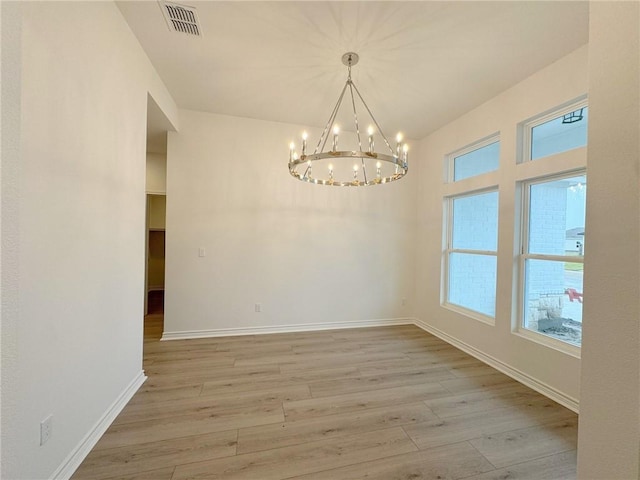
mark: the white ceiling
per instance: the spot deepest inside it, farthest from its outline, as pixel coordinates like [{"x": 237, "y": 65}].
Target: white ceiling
[{"x": 422, "y": 64}]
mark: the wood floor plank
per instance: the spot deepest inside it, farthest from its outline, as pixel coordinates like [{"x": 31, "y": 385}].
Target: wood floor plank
[
  {"x": 311, "y": 345},
  {"x": 440, "y": 348},
  {"x": 146, "y": 395},
  {"x": 102, "y": 463},
  {"x": 184, "y": 352},
  {"x": 354, "y": 360},
  {"x": 450, "y": 462},
  {"x": 389, "y": 332},
  {"x": 475, "y": 425},
  {"x": 159, "y": 474},
  {"x": 315, "y": 359},
  {"x": 186, "y": 365},
  {"x": 476, "y": 370},
  {"x": 253, "y": 350},
  {"x": 376, "y": 382},
  {"x": 211, "y": 404},
  {"x": 254, "y": 439},
  {"x": 309, "y": 457},
  {"x": 246, "y": 386},
  {"x": 482, "y": 401},
  {"x": 408, "y": 365},
  {"x": 220, "y": 374},
  {"x": 194, "y": 345},
  {"x": 321, "y": 374},
  {"x": 554, "y": 467},
  {"x": 353, "y": 402},
  {"x": 479, "y": 383},
  {"x": 529, "y": 443},
  {"x": 186, "y": 425},
  {"x": 241, "y": 383}
]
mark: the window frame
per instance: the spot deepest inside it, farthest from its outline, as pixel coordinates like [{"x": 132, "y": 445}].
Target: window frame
[
  {"x": 528, "y": 126},
  {"x": 524, "y": 188},
  {"x": 451, "y": 157},
  {"x": 448, "y": 250}
]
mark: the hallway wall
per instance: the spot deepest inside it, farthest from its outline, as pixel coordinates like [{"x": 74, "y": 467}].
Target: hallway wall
[{"x": 73, "y": 200}]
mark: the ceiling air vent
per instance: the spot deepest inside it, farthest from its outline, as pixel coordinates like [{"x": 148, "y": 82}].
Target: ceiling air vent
[{"x": 181, "y": 19}]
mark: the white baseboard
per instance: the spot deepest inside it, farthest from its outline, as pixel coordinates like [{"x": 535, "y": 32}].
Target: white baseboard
[
  {"x": 531, "y": 382},
  {"x": 305, "y": 327},
  {"x": 78, "y": 454}
]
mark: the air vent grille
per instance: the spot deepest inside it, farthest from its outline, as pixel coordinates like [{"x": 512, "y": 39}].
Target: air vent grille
[{"x": 181, "y": 19}]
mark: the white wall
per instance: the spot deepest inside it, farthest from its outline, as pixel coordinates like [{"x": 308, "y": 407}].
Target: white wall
[
  {"x": 156, "y": 172},
  {"x": 310, "y": 254},
  {"x": 554, "y": 372},
  {"x": 74, "y": 194},
  {"x": 609, "y": 433}
]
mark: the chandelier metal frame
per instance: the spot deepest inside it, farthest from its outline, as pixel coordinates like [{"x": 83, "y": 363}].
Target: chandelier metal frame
[{"x": 302, "y": 167}]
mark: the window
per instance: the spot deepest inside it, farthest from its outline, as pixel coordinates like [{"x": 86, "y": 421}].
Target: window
[
  {"x": 552, "y": 260},
  {"x": 470, "y": 253},
  {"x": 558, "y": 132},
  {"x": 475, "y": 160}
]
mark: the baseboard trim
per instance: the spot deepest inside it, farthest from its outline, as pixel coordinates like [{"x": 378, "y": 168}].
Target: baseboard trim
[
  {"x": 78, "y": 454},
  {"x": 529, "y": 381},
  {"x": 304, "y": 327}
]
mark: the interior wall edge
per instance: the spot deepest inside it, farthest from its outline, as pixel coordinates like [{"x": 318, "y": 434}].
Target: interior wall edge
[{"x": 80, "y": 452}]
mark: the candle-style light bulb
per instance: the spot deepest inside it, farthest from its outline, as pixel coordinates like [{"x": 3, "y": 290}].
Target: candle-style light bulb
[
  {"x": 304, "y": 143},
  {"x": 331, "y": 172},
  {"x": 355, "y": 172},
  {"x": 291, "y": 147},
  {"x": 398, "y": 144},
  {"x": 405, "y": 153},
  {"x": 336, "y": 131},
  {"x": 370, "y": 132},
  {"x": 378, "y": 166}
]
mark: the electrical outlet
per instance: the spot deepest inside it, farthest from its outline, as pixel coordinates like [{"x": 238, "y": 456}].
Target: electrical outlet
[
  {"x": 46, "y": 429},
  {"x": 258, "y": 307}
]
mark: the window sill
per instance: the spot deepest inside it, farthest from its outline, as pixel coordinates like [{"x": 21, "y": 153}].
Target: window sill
[
  {"x": 549, "y": 342},
  {"x": 470, "y": 313}
]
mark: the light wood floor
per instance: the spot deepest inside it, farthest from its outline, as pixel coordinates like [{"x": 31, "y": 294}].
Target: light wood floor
[{"x": 376, "y": 403}]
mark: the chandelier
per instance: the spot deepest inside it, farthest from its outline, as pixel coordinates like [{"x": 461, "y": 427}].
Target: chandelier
[{"x": 349, "y": 168}]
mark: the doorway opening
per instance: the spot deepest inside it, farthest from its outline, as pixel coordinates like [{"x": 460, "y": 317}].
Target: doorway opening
[
  {"x": 155, "y": 273},
  {"x": 155, "y": 223}
]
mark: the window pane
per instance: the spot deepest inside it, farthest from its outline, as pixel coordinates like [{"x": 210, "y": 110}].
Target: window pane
[
  {"x": 475, "y": 222},
  {"x": 557, "y": 216},
  {"x": 482, "y": 160},
  {"x": 553, "y": 299},
  {"x": 560, "y": 134},
  {"x": 472, "y": 282}
]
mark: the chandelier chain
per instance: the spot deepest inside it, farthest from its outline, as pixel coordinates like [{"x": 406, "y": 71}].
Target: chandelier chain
[
  {"x": 357, "y": 125},
  {"x": 384, "y": 137},
  {"x": 325, "y": 133},
  {"x": 355, "y": 115}
]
